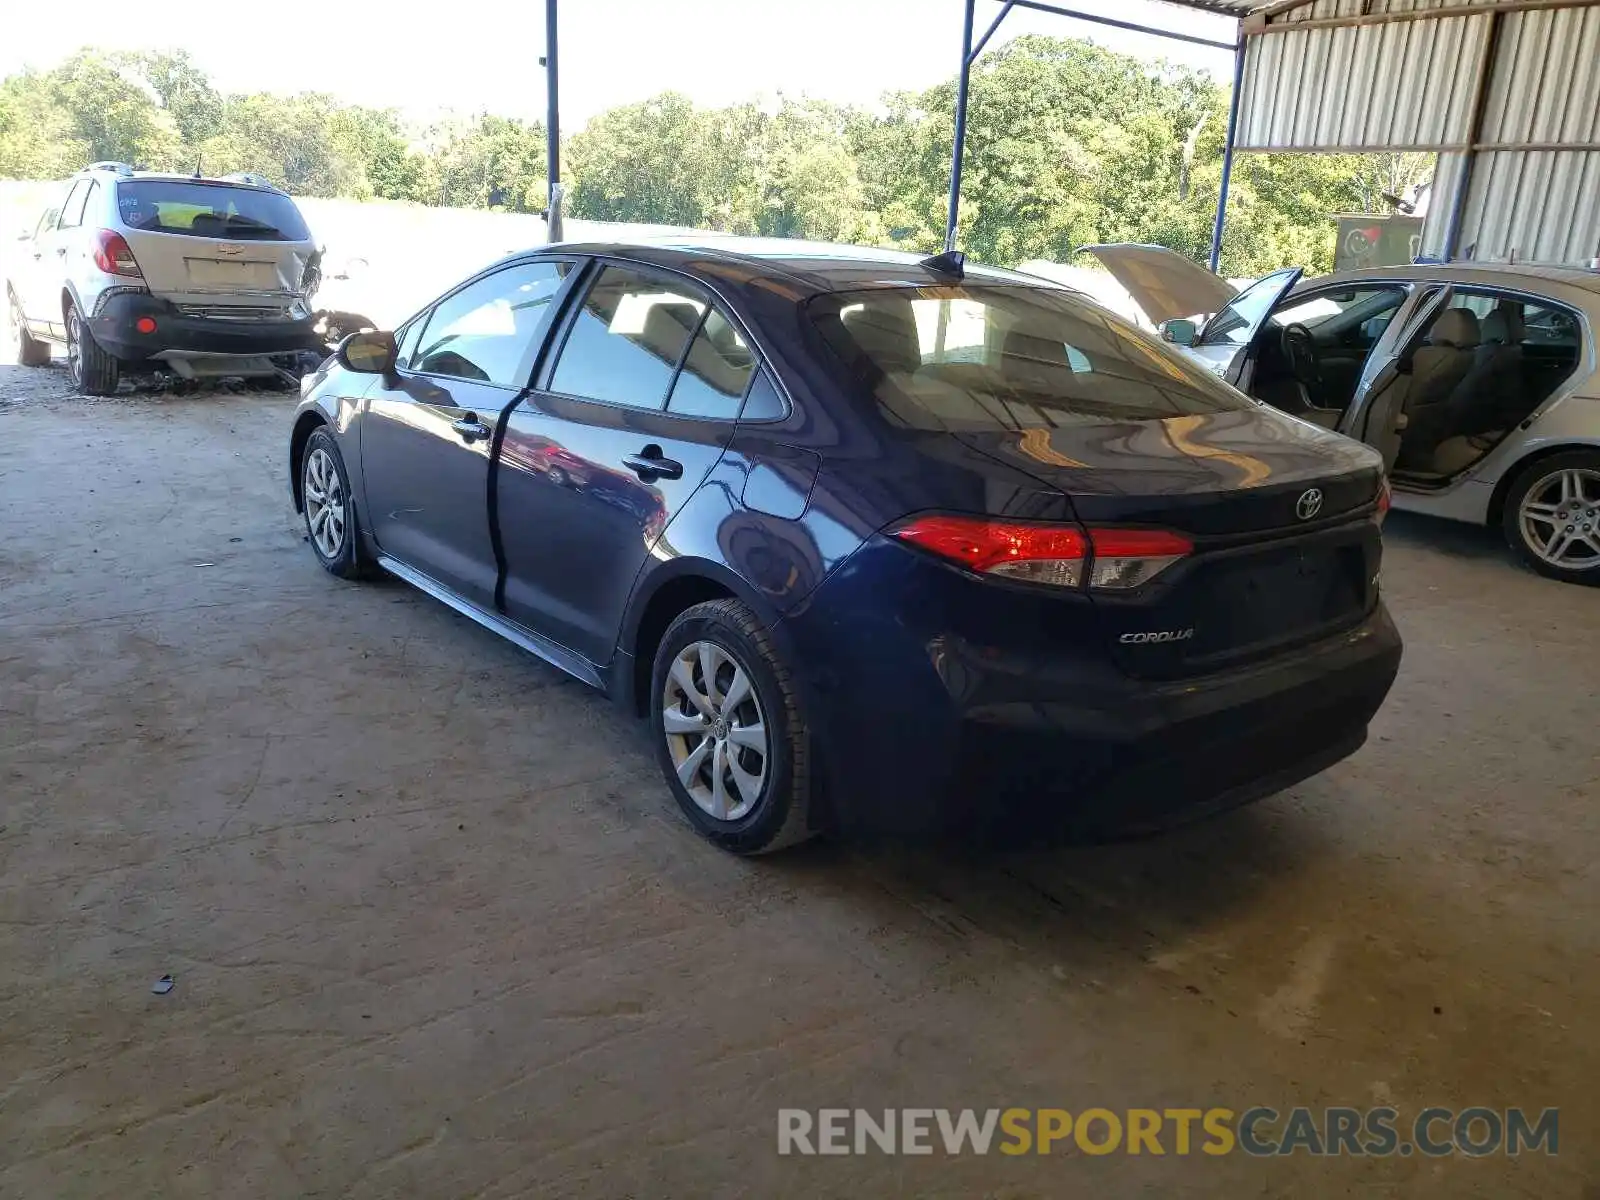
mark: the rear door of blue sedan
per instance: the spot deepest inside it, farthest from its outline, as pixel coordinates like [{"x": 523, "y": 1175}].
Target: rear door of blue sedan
[
  {"x": 631, "y": 415},
  {"x": 426, "y": 433}
]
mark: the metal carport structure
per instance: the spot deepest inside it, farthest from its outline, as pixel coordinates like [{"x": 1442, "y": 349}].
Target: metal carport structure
[{"x": 1507, "y": 92}]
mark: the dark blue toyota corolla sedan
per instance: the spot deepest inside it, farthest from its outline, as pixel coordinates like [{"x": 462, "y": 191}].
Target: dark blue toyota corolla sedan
[{"x": 871, "y": 541}]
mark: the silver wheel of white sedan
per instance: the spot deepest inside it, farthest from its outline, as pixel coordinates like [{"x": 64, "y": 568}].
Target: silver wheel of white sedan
[
  {"x": 327, "y": 506},
  {"x": 1559, "y": 519},
  {"x": 715, "y": 730}
]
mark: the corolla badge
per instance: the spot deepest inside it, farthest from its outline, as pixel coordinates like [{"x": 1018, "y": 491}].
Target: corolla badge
[
  {"x": 1309, "y": 504},
  {"x": 1156, "y": 635}
]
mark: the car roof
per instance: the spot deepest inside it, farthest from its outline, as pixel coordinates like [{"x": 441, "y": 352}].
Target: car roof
[
  {"x": 1525, "y": 276},
  {"x": 804, "y": 268},
  {"x": 177, "y": 177}
]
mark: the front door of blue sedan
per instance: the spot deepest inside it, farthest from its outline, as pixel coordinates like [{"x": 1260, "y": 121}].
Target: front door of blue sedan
[
  {"x": 632, "y": 416},
  {"x": 427, "y": 432}
]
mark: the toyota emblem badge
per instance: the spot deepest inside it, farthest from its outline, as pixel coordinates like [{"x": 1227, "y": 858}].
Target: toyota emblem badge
[{"x": 1309, "y": 504}]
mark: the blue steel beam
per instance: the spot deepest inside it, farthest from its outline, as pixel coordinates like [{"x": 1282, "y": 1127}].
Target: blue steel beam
[
  {"x": 988, "y": 33},
  {"x": 961, "y": 126},
  {"x": 970, "y": 52},
  {"x": 1227, "y": 154}
]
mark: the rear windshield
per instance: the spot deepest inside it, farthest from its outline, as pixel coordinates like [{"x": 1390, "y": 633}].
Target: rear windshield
[
  {"x": 1000, "y": 357},
  {"x": 209, "y": 210}
]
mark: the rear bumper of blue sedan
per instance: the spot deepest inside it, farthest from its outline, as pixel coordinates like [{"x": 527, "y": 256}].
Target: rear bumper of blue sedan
[{"x": 939, "y": 701}]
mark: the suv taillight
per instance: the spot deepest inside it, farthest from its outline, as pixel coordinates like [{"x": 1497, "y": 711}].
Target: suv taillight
[
  {"x": 114, "y": 256},
  {"x": 1058, "y": 555},
  {"x": 1385, "y": 499}
]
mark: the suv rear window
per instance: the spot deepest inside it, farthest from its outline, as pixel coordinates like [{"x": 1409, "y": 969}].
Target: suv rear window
[
  {"x": 1003, "y": 357},
  {"x": 209, "y": 210}
]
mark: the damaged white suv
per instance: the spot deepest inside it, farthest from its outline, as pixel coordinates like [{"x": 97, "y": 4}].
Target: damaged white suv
[{"x": 140, "y": 271}]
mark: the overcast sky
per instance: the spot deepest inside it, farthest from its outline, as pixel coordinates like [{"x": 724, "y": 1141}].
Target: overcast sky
[{"x": 469, "y": 55}]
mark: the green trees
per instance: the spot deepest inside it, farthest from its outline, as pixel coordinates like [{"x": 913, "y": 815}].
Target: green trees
[{"x": 1068, "y": 143}]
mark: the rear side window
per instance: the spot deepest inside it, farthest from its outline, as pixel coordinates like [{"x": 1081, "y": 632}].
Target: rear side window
[
  {"x": 72, "y": 211},
  {"x": 763, "y": 403},
  {"x": 209, "y": 210},
  {"x": 1003, "y": 357},
  {"x": 716, "y": 372},
  {"x": 490, "y": 330},
  {"x": 627, "y": 340}
]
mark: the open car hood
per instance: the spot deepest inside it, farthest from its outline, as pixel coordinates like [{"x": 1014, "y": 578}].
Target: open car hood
[{"x": 1165, "y": 284}]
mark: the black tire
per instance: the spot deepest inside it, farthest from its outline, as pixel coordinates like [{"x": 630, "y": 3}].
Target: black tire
[
  {"x": 31, "y": 352},
  {"x": 1539, "y": 476},
  {"x": 94, "y": 372},
  {"x": 349, "y": 559},
  {"x": 780, "y": 814}
]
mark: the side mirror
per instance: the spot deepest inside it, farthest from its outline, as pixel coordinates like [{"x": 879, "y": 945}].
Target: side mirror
[
  {"x": 1179, "y": 332},
  {"x": 368, "y": 353}
]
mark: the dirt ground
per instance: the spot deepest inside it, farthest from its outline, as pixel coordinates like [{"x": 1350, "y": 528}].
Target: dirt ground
[{"x": 436, "y": 930}]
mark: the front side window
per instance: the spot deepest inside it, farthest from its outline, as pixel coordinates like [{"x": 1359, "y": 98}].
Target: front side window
[
  {"x": 209, "y": 210},
  {"x": 490, "y": 330},
  {"x": 1007, "y": 357},
  {"x": 1237, "y": 323},
  {"x": 627, "y": 339},
  {"x": 47, "y": 220},
  {"x": 1349, "y": 318}
]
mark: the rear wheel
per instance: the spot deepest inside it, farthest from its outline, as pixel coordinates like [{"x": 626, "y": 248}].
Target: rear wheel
[
  {"x": 730, "y": 736},
  {"x": 1552, "y": 516},
  {"x": 94, "y": 372},
  {"x": 31, "y": 352}
]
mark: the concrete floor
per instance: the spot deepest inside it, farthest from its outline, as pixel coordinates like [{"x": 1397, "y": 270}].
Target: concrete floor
[{"x": 437, "y": 931}]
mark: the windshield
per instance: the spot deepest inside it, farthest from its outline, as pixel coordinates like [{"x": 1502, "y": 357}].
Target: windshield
[
  {"x": 209, "y": 210},
  {"x": 978, "y": 357}
]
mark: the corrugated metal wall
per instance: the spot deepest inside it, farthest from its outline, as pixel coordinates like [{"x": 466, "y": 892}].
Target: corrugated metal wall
[
  {"x": 1378, "y": 87},
  {"x": 1413, "y": 84}
]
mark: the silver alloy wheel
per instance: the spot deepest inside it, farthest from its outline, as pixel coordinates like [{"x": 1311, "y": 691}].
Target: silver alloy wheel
[
  {"x": 326, "y": 506},
  {"x": 1560, "y": 519},
  {"x": 716, "y": 731},
  {"x": 74, "y": 348}
]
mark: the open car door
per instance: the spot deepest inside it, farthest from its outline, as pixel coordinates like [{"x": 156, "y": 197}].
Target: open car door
[
  {"x": 1377, "y": 416},
  {"x": 1226, "y": 340}
]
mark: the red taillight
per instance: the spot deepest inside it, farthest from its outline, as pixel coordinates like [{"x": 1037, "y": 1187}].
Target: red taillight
[
  {"x": 1050, "y": 554},
  {"x": 1039, "y": 553},
  {"x": 1385, "y": 498},
  {"x": 114, "y": 256},
  {"x": 145, "y": 324}
]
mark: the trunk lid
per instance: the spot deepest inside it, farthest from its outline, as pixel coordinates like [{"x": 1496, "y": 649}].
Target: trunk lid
[
  {"x": 1279, "y": 513},
  {"x": 198, "y": 272}
]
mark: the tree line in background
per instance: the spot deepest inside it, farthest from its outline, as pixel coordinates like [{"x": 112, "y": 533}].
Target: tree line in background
[{"x": 1068, "y": 144}]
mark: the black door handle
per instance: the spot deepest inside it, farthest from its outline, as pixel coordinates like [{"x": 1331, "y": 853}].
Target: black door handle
[
  {"x": 470, "y": 428},
  {"x": 648, "y": 465}
]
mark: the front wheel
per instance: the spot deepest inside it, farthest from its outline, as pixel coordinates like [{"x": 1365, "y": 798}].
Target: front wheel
[
  {"x": 1552, "y": 516},
  {"x": 93, "y": 371},
  {"x": 330, "y": 511},
  {"x": 730, "y": 736}
]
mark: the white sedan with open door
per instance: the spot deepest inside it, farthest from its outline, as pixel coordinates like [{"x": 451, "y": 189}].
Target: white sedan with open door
[{"x": 1477, "y": 382}]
